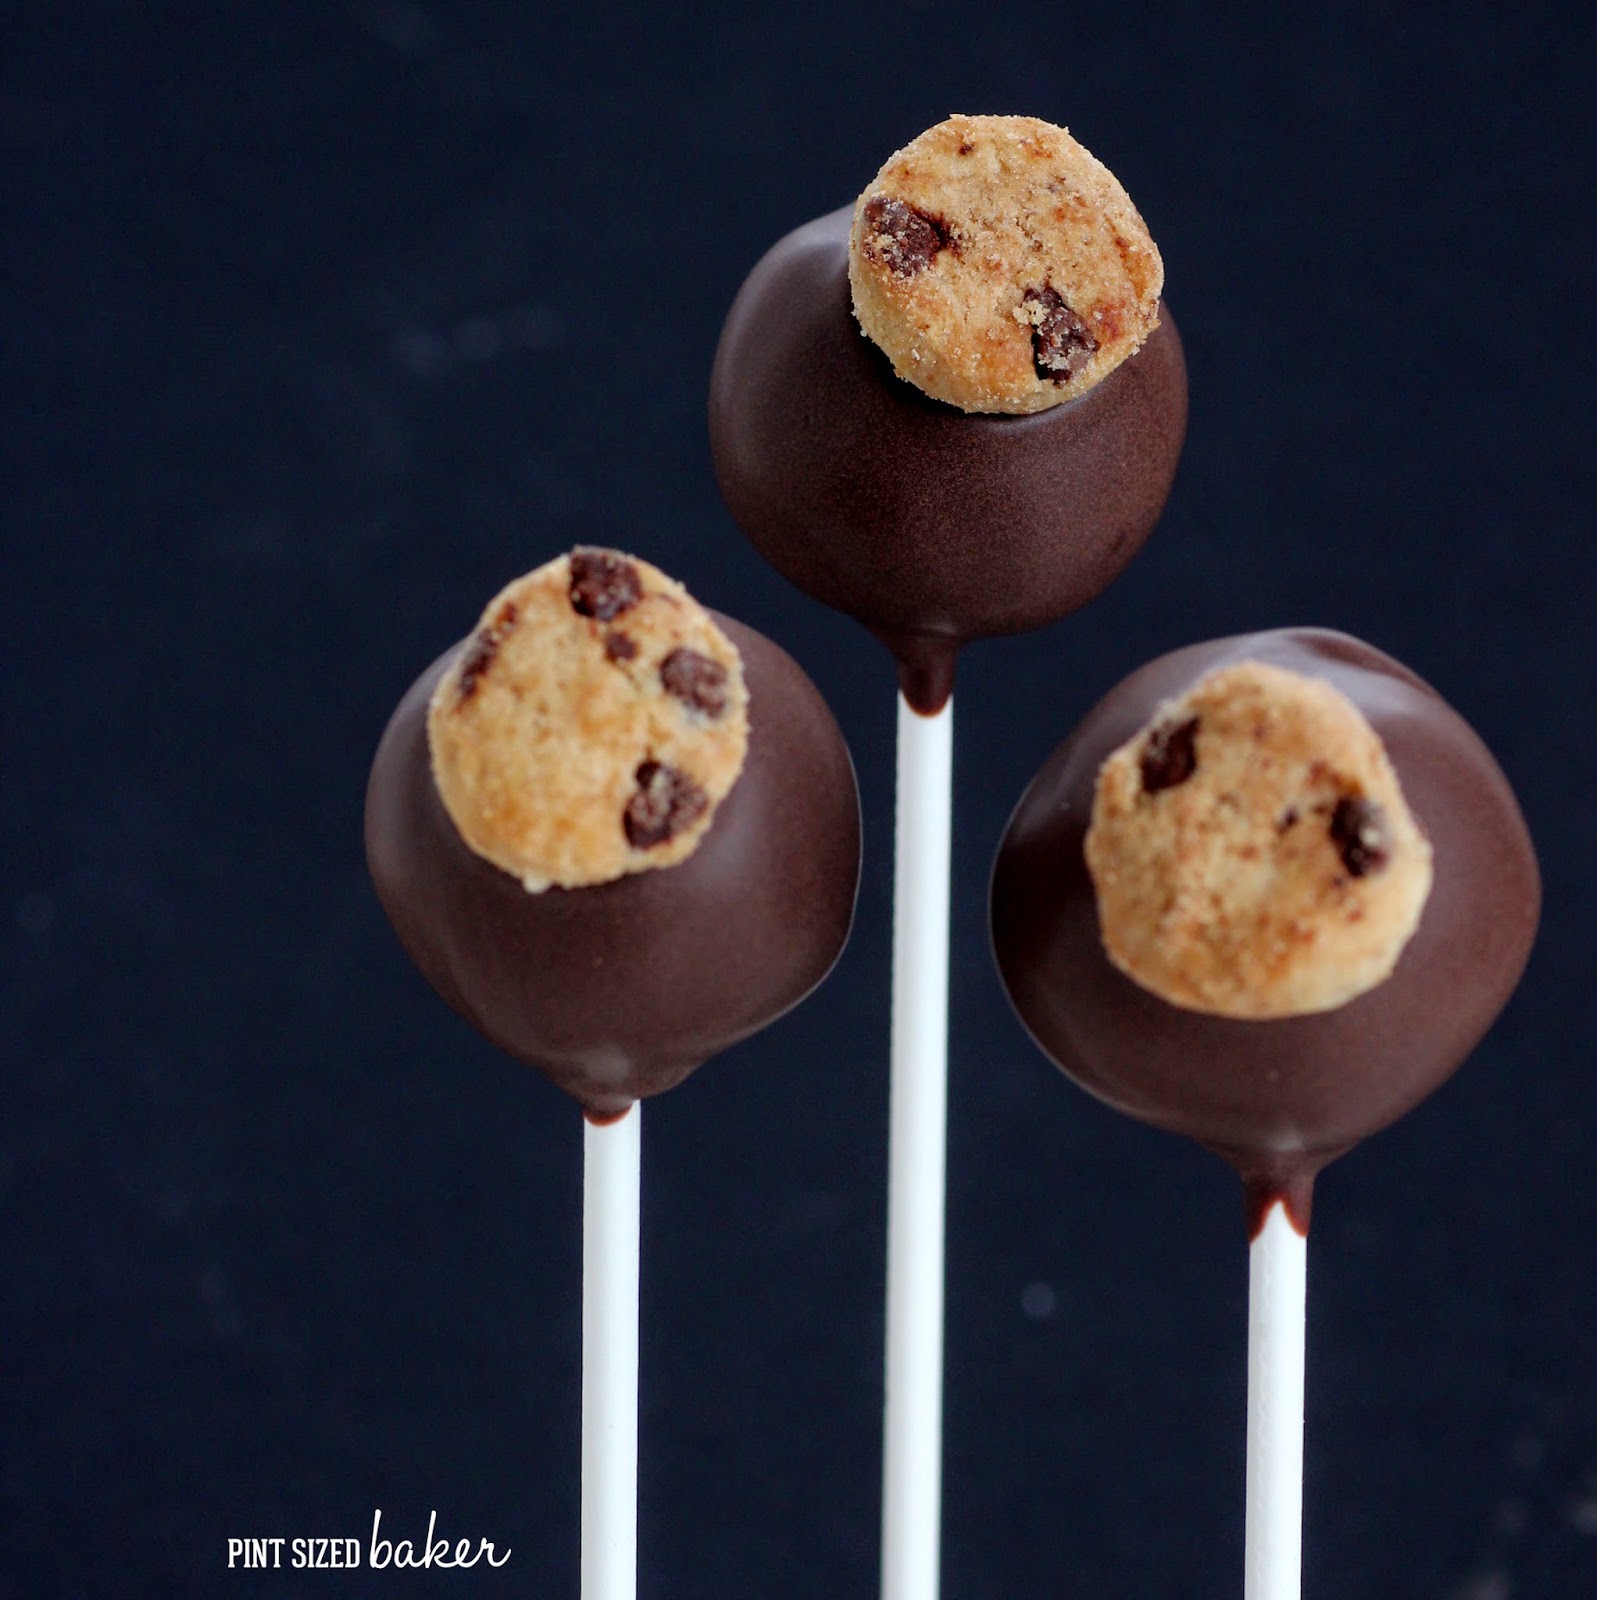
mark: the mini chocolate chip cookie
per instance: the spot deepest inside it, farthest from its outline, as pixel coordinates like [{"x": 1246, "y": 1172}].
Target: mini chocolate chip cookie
[
  {"x": 591, "y": 725},
  {"x": 1002, "y": 267},
  {"x": 1251, "y": 849}
]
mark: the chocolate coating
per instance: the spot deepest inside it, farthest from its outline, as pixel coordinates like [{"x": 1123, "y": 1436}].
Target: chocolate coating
[
  {"x": 1280, "y": 1098},
  {"x": 620, "y": 990},
  {"x": 930, "y": 525}
]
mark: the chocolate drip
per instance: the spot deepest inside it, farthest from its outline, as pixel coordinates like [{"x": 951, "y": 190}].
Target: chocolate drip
[
  {"x": 1294, "y": 1189},
  {"x": 925, "y": 668}
]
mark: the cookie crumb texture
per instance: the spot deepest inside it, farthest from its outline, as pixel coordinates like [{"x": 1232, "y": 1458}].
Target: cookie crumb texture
[
  {"x": 591, "y": 725},
  {"x": 1001, "y": 267},
  {"x": 1251, "y": 850}
]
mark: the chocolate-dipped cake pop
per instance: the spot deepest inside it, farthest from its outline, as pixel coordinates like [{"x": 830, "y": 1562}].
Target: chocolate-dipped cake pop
[
  {"x": 1270, "y": 894},
  {"x": 617, "y": 832},
  {"x": 954, "y": 409}
]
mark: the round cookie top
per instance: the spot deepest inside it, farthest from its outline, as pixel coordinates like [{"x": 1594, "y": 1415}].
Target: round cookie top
[
  {"x": 1251, "y": 849},
  {"x": 1001, "y": 266},
  {"x": 591, "y": 725}
]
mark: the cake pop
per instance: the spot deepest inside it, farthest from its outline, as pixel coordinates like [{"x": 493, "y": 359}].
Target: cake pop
[
  {"x": 1270, "y": 894},
  {"x": 618, "y": 833},
  {"x": 954, "y": 409},
  {"x": 951, "y": 410},
  {"x": 615, "y": 831}
]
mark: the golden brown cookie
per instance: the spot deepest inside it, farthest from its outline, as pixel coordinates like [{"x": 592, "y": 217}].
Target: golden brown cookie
[
  {"x": 591, "y": 725},
  {"x": 1001, "y": 266},
  {"x": 1251, "y": 849}
]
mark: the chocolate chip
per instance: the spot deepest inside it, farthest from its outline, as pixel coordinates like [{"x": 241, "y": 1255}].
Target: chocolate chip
[
  {"x": 697, "y": 681},
  {"x": 619, "y": 646},
  {"x": 1358, "y": 830},
  {"x": 603, "y": 585},
  {"x": 666, "y": 802},
  {"x": 479, "y": 654},
  {"x": 1061, "y": 344},
  {"x": 1170, "y": 756},
  {"x": 1288, "y": 819},
  {"x": 904, "y": 239}
]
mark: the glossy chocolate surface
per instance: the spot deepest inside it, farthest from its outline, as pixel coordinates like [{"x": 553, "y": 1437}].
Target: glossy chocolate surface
[
  {"x": 620, "y": 990},
  {"x": 1280, "y": 1098},
  {"x": 930, "y": 525}
]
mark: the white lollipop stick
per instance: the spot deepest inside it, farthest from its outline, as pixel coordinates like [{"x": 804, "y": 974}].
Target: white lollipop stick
[
  {"x": 1277, "y": 1289},
  {"x": 611, "y": 1161},
  {"x": 912, "y": 1456}
]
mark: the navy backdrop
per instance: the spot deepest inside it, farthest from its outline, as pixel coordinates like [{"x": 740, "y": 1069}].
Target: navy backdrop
[{"x": 321, "y": 321}]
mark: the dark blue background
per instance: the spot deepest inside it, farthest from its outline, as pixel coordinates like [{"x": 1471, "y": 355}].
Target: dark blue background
[{"x": 323, "y": 320}]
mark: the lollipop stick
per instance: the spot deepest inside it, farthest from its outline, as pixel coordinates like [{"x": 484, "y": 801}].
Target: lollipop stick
[
  {"x": 1277, "y": 1286},
  {"x": 610, "y": 1358},
  {"x": 918, "y": 1120}
]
